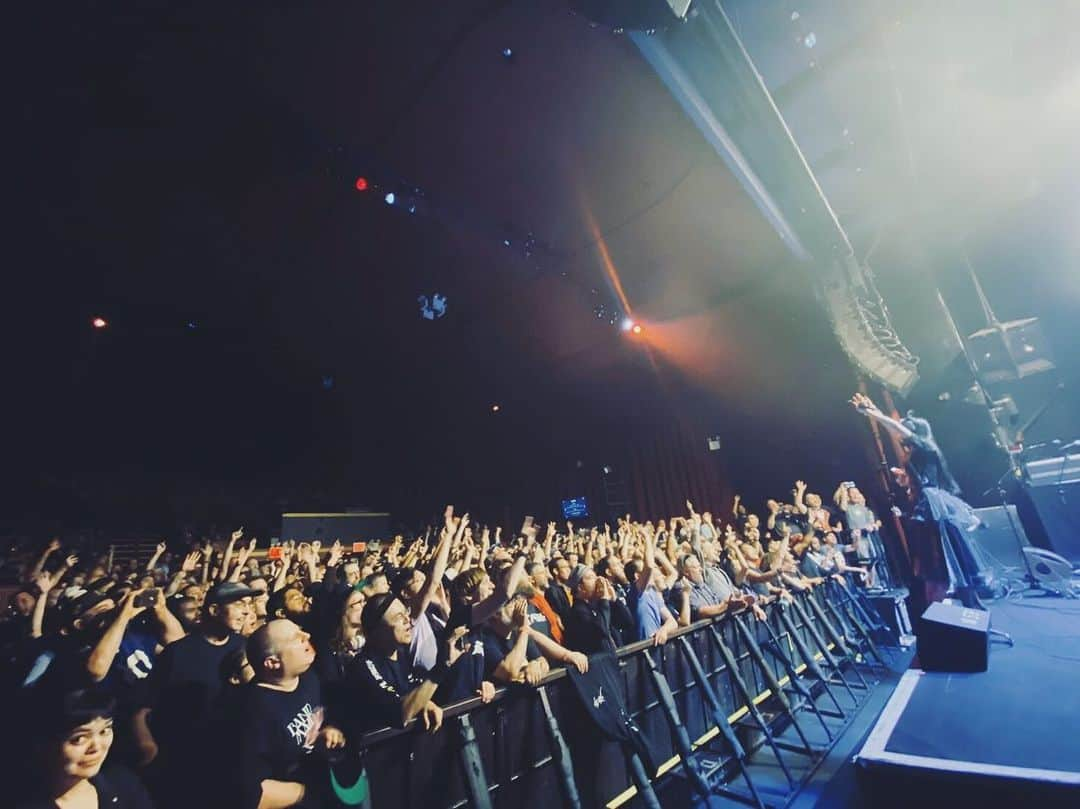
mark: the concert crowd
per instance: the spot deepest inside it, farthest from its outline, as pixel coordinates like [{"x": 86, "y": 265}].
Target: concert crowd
[{"x": 225, "y": 674}]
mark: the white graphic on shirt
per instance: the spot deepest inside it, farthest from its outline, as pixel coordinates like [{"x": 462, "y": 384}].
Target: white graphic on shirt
[
  {"x": 385, "y": 686},
  {"x": 304, "y": 727},
  {"x": 139, "y": 664},
  {"x": 599, "y": 700}
]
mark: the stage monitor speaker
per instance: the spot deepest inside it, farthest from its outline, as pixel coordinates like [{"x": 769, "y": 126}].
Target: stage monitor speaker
[
  {"x": 954, "y": 638},
  {"x": 1057, "y": 511},
  {"x": 1001, "y": 535}
]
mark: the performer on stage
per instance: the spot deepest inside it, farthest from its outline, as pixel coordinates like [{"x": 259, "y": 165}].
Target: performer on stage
[{"x": 942, "y": 555}]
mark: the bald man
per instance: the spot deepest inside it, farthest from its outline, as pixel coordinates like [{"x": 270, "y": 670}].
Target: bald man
[{"x": 277, "y": 722}]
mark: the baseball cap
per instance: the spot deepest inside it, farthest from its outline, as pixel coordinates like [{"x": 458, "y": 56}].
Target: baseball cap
[
  {"x": 576, "y": 576},
  {"x": 228, "y": 591},
  {"x": 78, "y": 607}
]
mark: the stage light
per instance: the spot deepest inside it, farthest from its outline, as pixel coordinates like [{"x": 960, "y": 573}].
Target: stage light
[
  {"x": 627, "y": 324},
  {"x": 636, "y": 329},
  {"x": 361, "y": 184},
  {"x": 508, "y": 53},
  {"x": 99, "y": 323},
  {"x": 495, "y": 408},
  {"x": 390, "y": 198}
]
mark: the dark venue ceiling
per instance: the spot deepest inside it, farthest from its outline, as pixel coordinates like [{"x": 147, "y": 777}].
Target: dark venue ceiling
[{"x": 194, "y": 164}]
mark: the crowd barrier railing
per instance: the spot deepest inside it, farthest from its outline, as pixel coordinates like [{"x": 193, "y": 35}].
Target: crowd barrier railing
[{"x": 531, "y": 747}]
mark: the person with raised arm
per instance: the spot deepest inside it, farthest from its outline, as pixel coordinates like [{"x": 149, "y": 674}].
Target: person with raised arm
[{"x": 946, "y": 560}]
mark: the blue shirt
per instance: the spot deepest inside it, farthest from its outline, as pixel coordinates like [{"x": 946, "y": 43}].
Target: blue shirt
[{"x": 648, "y": 612}]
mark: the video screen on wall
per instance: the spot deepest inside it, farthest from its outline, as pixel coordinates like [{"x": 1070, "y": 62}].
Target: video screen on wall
[{"x": 575, "y": 507}]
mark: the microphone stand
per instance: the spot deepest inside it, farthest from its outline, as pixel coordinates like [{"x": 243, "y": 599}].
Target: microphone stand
[{"x": 1015, "y": 469}]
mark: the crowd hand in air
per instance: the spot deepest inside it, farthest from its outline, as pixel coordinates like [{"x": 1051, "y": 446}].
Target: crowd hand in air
[
  {"x": 335, "y": 554},
  {"x": 45, "y": 581},
  {"x": 863, "y": 403}
]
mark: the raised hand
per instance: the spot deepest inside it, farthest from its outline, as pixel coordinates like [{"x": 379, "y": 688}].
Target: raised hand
[
  {"x": 127, "y": 604},
  {"x": 335, "y": 553},
  {"x": 71, "y": 561},
  {"x": 800, "y": 486},
  {"x": 453, "y": 650},
  {"x": 239, "y": 532},
  {"x": 519, "y": 614},
  {"x": 45, "y": 581},
  {"x": 863, "y": 403},
  {"x": 190, "y": 561},
  {"x": 54, "y": 545}
]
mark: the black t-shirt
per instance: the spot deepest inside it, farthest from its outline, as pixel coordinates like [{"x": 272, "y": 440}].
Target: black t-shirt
[
  {"x": 929, "y": 467},
  {"x": 588, "y": 628},
  {"x": 117, "y": 788},
  {"x": 539, "y": 621},
  {"x": 497, "y": 647},
  {"x": 187, "y": 680},
  {"x": 267, "y": 734},
  {"x": 376, "y": 688}
]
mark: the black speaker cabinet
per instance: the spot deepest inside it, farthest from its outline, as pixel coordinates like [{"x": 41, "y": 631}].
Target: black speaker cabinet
[
  {"x": 954, "y": 638},
  {"x": 1056, "y": 508}
]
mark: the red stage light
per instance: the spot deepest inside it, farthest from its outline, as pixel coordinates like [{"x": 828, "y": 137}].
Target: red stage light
[
  {"x": 361, "y": 184},
  {"x": 99, "y": 323}
]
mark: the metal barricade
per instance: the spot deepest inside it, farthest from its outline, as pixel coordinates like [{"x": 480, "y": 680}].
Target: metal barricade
[{"x": 524, "y": 748}]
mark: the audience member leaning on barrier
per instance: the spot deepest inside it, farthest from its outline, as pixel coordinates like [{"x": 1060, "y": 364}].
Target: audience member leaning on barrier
[{"x": 360, "y": 641}]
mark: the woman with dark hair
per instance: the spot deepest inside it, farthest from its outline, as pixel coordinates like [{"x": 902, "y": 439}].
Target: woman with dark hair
[
  {"x": 73, "y": 732},
  {"x": 943, "y": 556}
]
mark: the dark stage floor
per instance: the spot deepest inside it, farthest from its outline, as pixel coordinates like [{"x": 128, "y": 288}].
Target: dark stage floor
[{"x": 1010, "y": 728}]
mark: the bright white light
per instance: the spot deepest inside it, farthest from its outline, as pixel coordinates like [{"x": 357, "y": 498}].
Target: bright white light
[
  {"x": 627, "y": 324},
  {"x": 390, "y": 198}
]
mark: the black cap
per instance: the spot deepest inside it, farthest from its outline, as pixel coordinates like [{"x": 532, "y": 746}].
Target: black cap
[{"x": 227, "y": 592}]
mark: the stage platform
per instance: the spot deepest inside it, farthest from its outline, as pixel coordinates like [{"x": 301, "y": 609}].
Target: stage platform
[{"x": 1006, "y": 736}]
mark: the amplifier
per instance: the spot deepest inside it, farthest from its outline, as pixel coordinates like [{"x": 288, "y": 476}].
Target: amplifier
[{"x": 1056, "y": 471}]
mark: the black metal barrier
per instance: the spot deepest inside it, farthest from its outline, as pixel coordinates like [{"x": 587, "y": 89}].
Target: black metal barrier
[{"x": 528, "y": 746}]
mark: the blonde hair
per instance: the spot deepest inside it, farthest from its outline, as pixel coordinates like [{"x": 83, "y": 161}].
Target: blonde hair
[{"x": 466, "y": 585}]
